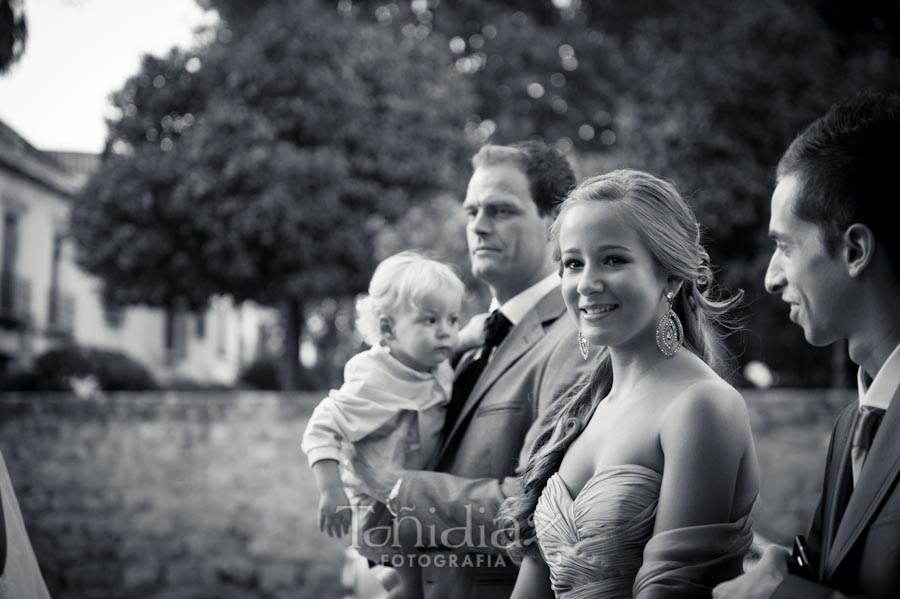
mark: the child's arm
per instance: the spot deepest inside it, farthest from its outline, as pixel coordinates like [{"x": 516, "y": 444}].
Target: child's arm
[
  {"x": 472, "y": 335},
  {"x": 334, "y": 506}
]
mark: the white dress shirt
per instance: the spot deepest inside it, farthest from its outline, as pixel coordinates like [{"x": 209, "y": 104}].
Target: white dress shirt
[
  {"x": 880, "y": 391},
  {"x": 516, "y": 307}
]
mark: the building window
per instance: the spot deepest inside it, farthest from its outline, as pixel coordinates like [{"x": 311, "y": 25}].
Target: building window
[
  {"x": 201, "y": 324},
  {"x": 61, "y": 312},
  {"x": 222, "y": 333},
  {"x": 15, "y": 291},
  {"x": 113, "y": 316},
  {"x": 175, "y": 335}
]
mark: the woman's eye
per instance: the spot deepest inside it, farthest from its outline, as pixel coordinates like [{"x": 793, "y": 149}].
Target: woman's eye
[
  {"x": 571, "y": 263},
  {"x": 614, "y": 260}
]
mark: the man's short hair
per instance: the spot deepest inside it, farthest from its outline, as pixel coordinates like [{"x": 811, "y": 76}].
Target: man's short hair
[
  {"x": 550, "y": 176},
  {"x": 846, "y": 164}
]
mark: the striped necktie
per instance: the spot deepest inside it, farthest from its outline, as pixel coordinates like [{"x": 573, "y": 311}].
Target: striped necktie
[
  {"x": 496, "y": 328},
  {"x": 866, "y": 427}
]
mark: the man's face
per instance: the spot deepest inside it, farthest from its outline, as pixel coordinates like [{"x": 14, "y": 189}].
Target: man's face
[
  {"x": 507, "y": 237},
  {"x": 811, "y": 281}
]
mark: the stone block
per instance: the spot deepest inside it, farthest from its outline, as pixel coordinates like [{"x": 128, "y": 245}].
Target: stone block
[
  {"x": 141, "y": 574},
  {"x": 90, "y": 575},
  {"x": 190, "y": 572},
  {"x": 277, "y": 576},
  {"x": 238, "y": 570}
]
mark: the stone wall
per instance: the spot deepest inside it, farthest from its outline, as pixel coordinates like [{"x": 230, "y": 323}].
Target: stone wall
[
  {"x": 192, "y": 495},
  {"x": 169, "y": 495}
]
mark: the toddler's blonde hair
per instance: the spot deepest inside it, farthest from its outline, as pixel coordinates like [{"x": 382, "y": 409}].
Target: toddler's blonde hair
[{"x": 399, "y": 283}]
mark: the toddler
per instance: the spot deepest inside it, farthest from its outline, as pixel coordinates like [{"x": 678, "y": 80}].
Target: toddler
[{"x": 393, "y": 394}]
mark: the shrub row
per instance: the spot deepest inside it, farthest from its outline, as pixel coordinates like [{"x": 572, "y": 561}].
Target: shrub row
[{"x": 56, "y": 369}]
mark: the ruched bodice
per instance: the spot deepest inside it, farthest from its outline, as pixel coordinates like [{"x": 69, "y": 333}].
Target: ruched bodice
[{"x": 595, "y": 544}]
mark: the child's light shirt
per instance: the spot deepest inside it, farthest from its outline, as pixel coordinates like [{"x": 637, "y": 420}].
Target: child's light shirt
[{"x": 377, "y": 393}]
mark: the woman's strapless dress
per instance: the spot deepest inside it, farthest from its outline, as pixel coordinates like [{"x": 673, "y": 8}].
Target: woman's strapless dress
[{"x": 600, "y": 544}]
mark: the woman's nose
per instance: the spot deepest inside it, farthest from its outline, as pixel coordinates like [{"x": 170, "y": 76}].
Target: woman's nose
[{"x": 590, "y": 283}]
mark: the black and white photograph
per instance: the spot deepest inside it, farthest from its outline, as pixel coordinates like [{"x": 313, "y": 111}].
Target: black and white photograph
[{"x": 449, "y": 299}]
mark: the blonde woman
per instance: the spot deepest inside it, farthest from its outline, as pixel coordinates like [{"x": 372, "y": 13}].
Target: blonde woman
[{"x": 642, "y": 480}]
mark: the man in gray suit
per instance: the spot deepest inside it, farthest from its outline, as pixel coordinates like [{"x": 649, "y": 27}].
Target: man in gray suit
[
  {"x": 530, "y": 358},
  {"x": 837, "y": 264}
]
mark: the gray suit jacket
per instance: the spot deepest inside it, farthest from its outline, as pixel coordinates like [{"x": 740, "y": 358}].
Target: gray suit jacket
[
  {"x": 451, "y": 510},
  {"x": 857, "y": 554}
]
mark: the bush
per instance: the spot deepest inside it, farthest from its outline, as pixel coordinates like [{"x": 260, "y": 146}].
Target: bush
[
  {"x": 116, "y": 371},
  {"x": 182, "y": 383},
  {"x": 19, "y": 380},
  {"x": 261, "y": 374},
  {"x": 53, "y": 371}
]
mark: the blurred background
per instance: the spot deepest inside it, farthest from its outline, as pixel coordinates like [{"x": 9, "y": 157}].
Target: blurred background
[{"x": 177, "y": 287}]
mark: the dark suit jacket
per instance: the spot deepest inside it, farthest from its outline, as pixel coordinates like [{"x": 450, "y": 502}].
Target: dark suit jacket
[
  {"x": 537, "y": 363},
  {"x": 858, "y": 554}
]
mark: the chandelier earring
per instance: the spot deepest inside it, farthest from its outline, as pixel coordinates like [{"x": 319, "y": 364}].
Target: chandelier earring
[
  {"x": 584, "y": 345},
  {"x": 669, "y": 332}
]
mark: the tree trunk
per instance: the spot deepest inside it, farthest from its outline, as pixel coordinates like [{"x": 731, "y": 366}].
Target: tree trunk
[{"x": 291, "y": 370}]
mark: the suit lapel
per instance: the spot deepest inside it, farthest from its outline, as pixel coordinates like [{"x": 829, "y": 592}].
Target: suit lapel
[
  {"x": 840, "y": 478},
  {"x": 875, "y": 480},
  {"x": 521, "y": 338}
]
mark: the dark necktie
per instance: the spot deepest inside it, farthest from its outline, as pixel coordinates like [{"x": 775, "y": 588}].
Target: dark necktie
[
  {"x": 496, "y": 327},
  {"x": 866, "y": 427}
]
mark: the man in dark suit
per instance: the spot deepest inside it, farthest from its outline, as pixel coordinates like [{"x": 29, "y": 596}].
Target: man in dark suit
[
  {"x": 837, "y": 264},
  {"x": 530, "y": 358}
]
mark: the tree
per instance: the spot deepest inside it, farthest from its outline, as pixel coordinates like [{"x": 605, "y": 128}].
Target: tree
[
  {"x": 13, "y": 33},
  {"x": 261, "y": 164},
  {"x": 706, "y": 93},
  {"x": 537, "y": 70},
  {"x": 713, "y": 95}
]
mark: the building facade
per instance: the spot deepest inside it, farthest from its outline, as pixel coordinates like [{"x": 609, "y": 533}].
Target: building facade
[{"x": 46, "y": 300}]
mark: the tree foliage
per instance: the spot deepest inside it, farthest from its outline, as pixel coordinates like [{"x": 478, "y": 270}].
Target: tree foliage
[
  {"x": 713, "y": 97},
  {"x": 262, "y": 163},
  {"x": 708, "y": 94},
  {"x": 318, "y": 120},
  {"x": 13, "y": 33}
]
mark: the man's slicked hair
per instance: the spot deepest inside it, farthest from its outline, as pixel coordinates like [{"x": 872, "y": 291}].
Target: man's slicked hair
[
  {"x": 846, "y": 165},
  {"x": 550, "y": 176}
]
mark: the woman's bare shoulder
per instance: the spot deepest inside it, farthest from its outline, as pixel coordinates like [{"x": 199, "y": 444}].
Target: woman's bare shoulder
[{"x": 707, "y": 402}]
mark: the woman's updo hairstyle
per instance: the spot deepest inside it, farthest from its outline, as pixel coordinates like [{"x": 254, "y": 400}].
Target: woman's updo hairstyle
[{"x": 665, "y": 222}]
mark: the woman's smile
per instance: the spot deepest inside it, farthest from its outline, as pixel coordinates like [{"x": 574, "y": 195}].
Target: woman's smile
[{"x": 596, "y": 312}]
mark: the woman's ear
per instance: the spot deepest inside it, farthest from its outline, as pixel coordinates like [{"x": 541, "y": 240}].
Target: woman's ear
[
  {"x": 858, "y": 248},
  {"x": 673, "y": 284},
  {"x": 386, "y": 327}
]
